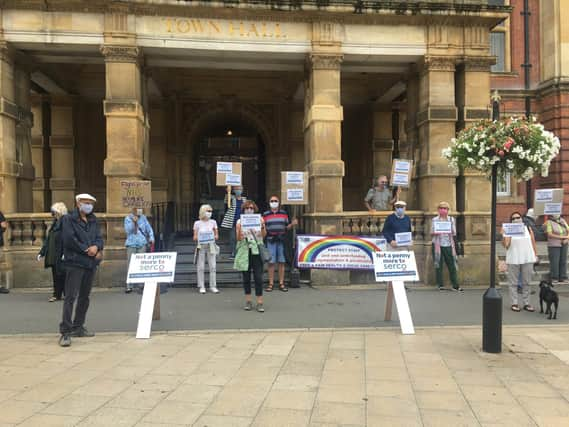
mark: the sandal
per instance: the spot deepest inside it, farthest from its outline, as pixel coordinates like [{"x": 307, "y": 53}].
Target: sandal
[
  {"x": 269, "y": 288},
  {"x": 515, "y": 308},
  {"x": 529, "y": 308},
  {"x": 52, "y": 299},
  {"x": 283, "y": 288}
]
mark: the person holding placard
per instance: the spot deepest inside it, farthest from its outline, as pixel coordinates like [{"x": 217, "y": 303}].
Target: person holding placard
[
  {"x": 443, "y": 230},
  {"x": 139, "y": 235},
  {"x": 557, "y": 240},
  {"x": 250, "y": 235},
  {"x": 379, "y": 198},
  {"x": 206, "y": 234},
  {"x": 277, "y": 224},
  {"x": 521, "y": 254},
  {"x": 396, "y": 224}
]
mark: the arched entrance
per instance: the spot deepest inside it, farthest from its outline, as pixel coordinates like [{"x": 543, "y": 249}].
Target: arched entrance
[{"x": 229, "y": 133}]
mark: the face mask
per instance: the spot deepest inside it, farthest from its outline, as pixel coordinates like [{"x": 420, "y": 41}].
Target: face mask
[
  {"x": 86, "y": 208},
  {"x": 139, "y": 212},
  {"x": 399, "y": 211},
  {"x": 443, "y": 211},
  {"x": 274, "y": 205},
  {"x": 208, "y": 215},
  {"x": 249, "y": 211},
  {"x": 238, "y": 192}
]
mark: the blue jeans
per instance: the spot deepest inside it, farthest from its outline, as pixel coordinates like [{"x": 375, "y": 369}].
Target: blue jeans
[{"x": 277, "y": 252}]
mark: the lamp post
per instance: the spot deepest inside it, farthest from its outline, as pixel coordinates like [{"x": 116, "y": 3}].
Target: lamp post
[{"x": 492, "y": 300}]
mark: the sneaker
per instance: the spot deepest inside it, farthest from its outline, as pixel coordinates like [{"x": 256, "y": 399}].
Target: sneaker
[
  {"x": 202, "y": 290},
  {"x": 81, "y": 333},
  {"x": 441, "y": 288},
  {"x": 214, "y": 290},
  {"x": 248, "y": 306},
  {"x": 260, "y": 308},
  {"x": 128, "y": 290},
  {"x": 4, "y": 291},
  {"x": 458, "y": 289},
  {"x": 65, "y": 340}
]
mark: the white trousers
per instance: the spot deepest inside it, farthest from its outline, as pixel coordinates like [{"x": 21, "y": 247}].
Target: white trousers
[{"x": 202, "y": 254}]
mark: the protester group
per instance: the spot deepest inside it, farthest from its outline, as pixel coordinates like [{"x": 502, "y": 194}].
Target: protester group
[{"x": 73, "y": 248}]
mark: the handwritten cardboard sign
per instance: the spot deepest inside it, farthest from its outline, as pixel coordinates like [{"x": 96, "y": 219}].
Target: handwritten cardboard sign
[
  {"x": 228, "y": 173},
  {"x": 548, "y": 201},
  {"x": 294, "y": 188},
  {"x": 136, "y": 194}
]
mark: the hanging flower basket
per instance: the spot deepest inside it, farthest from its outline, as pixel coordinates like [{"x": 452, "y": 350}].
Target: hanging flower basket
[{"x": 517, "y": 146}]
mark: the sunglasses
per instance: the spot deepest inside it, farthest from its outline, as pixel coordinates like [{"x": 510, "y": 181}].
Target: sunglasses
[
  {"x": 271, "y": 201},
  {"x": 443, "y": 209},
  {"x": 516, "y": 217},
  {"x": 209, "y": 211},
  {"x": 383, "y": 182}
]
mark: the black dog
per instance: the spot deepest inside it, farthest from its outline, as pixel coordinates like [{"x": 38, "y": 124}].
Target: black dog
[{"x": 547, "y": 294}]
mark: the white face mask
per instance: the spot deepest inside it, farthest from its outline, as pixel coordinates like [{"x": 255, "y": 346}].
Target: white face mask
[
  {"x": 274, "y": 205},
  {"x": 249, "y": 211},
  {"x": 208, "y": 215}
]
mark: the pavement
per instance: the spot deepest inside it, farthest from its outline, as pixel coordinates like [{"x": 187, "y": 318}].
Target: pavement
[
  {"x": 319, "y": 378},
  {"x": 343, "y": 307}
]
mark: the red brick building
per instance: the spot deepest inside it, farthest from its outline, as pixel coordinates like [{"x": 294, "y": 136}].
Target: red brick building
[{"x": 532, "y": 41}]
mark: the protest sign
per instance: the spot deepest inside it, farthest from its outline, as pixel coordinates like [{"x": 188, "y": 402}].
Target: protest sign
[
  {"x": 404, "y": 239},
  {"x": 442, "y": 227},
  {"x": 150, "y": 268},
  {"x": 250, "y": 221},
  {"x": 294, "y": 188},
  {"x": 399, "y": 265},
  {"x": 228, "y": 173},
  {"x": 514, "y": 229},
  {"x": 548, "y": 201},
  {"x": 401, "y": 171},
  {"x": 206, "y": 236},
  {"x": 136, "y": 194},
  {"x": 337, "y": 252}
]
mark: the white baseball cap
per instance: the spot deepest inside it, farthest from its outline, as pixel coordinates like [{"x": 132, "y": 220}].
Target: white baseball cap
[
  {"x": 84, "y": 196},
  {"x": 399, "y": 203}
]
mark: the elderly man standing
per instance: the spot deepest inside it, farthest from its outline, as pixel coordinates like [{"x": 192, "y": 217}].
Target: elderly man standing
[
  {"x": 82, "y": 253},
  {"x": 379, "y": 198}
]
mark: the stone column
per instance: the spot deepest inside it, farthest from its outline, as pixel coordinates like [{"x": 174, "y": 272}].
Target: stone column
[
  {"x": 412, "y": 147},
  {"x": 8, "y": 119},
  {"x": 40, "y": 153},
  {"x": 473, "y": 188},
  {"x": 62, "y": 145},
  {"x": 158, "y": 152},
  {"x": 382, "y": 142},
  {"x": 24, "y": 139},
  {"x": 436, "y": 122},
  {"x": 126, "y": 121}
]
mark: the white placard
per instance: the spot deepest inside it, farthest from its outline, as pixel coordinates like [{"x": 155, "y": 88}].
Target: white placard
[
  {"x": 294, "y": 178},
  {"x": 442, "y": 227},
  {"x": 404, "y": 239},
  {"x": 395, "y": 266},
  {"x": 224, "y": 167},
  {"x": 544, "y": 195},
  {"x": 206, "y": 236},
  {"x": 146, "y": 310},
  {"x": 402, "y": 166},
  {"x": 552, "y": 208},
  {"x": 250, "y": 221},
  {"x": 295, "y": 194},
  {"x": 403, "y": 311},
  {"x": 152, "y": 267},
  {"x": 401, "y": 179},
  {"x": 232, "y": 179},
  {"x": 514, "y": 229}
]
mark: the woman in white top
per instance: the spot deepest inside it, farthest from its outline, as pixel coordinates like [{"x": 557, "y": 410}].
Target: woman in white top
[
  {"x": 520, "y": 257},
  {"x": 206, "y": 234}
]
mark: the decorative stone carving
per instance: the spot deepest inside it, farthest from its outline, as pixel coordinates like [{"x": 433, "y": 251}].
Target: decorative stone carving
[
  {"x": 325, "y": 62},
  {"x": 121, "y": 53},
  {"x": 439, "y": 63},
  {"x": 478, "y": 63}
]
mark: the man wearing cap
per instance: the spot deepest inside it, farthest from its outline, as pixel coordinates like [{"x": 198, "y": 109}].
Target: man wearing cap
[
  {"x": 397, "y": 222},
  {"x": 82, "y": 253}
]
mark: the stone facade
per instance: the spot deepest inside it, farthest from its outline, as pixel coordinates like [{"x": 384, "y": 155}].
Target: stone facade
[{"x": 161, "y": 90}]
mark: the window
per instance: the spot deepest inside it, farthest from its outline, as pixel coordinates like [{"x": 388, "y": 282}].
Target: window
[
  {"x": 496, "y": 2},
  {"x": 504, "y": 185},
  {"x": 498, "y": 49}
]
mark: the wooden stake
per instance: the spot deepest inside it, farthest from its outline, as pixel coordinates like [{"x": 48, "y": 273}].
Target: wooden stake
[
  {"x": 156, "y": 312},
  {"x": 388, "y": 302}
]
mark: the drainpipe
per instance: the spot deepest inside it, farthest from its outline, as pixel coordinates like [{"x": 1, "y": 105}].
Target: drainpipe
[{"x": 526, "y": 66}]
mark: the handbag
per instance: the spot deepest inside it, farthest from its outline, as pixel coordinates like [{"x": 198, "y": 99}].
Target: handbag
[{"x": 264, "y": 252}]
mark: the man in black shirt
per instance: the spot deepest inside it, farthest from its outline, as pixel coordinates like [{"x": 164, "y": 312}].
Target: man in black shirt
[{"x": 3, "y": 227}]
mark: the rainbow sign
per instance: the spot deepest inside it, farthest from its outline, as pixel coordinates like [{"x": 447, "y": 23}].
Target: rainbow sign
[{"x": 338, "y": 252}]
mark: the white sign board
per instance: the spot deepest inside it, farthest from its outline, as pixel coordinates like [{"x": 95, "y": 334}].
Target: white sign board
[
  {"x": 404, "y": 239},
  {"x": 206, "y": 236},
  {"x": 296, "y": 178},
  {"x": 395, "y": 266},
  {"x": 514, "y": 229},
  {"x": 552, "y": 208},
  {"x": 250, "y": 221},
  {"x": 544, "y": 195},
  {"x": 442, "y": 227},
  {"x": 150, "y": 268},
  {"x": 224, "y": 167},
  {"x": 232, "y": 179},
  {"x": 295, "y": 194},
  {"x": 401, "y": 172}
]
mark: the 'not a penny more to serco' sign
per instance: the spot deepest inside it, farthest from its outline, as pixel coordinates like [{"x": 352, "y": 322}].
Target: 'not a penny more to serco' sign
[
  {"x": 395, "y": 266},
  {"x": 152, "y": 267}
]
